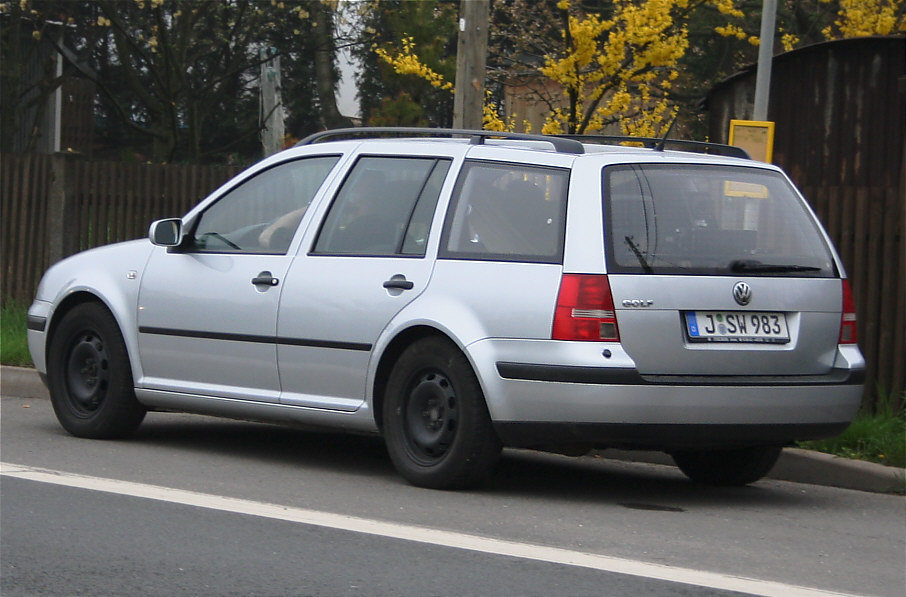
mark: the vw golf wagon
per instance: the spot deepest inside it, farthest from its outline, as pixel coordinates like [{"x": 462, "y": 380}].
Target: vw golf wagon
[{"x": 459, "y": 292}]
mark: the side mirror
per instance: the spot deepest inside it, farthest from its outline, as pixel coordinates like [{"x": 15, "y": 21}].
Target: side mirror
[{"x": 166, "y": 233}]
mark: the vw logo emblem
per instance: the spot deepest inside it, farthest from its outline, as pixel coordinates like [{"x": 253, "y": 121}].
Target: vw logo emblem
[{"x": 742, "y": 293}]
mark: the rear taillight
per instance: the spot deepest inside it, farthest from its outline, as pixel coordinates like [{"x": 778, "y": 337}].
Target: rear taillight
[
  {"x": 848, "y": 333},
  {"x": 585, "y": 309}
]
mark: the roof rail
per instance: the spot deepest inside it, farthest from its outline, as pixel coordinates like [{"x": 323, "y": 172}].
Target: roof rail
[
  {"x": 560, "y": 144},
  {"x": 660, "y": 144}
]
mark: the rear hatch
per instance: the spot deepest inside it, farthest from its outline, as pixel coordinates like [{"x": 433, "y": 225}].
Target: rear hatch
[{"x": 718, "y": 270}]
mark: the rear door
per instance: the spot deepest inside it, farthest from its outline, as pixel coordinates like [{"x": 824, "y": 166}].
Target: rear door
[
  {"x": 718, "y": 270},
  {"x": 366, "y": 262}
]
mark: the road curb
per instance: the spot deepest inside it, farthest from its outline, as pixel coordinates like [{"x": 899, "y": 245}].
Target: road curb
[
  {"x": 23, "y": 382},
  {"x": 796, "y": 465}
]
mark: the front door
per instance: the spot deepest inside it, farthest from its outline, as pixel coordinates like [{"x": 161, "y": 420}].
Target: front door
[{"x": 208, "y": 309}]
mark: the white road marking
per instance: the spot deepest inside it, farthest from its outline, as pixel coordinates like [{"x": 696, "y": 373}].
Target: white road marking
[{"x": 556, "y": 555}]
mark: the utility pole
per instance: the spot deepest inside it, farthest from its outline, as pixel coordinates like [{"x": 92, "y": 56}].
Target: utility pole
[
  {"x": 271, "y": 104},
  {"x": 765, "y": 58},
  {"x": 471, "y": 58}
]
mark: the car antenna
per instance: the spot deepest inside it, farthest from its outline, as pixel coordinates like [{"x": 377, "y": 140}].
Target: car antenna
[{"x": 663, "y": 141}]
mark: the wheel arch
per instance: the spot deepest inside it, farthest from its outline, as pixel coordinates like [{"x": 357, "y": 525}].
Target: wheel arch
[
  {"x": 390, "y": 356},
  {"x": 80, "y": 297},
  {"x": 71, "y": 301}
]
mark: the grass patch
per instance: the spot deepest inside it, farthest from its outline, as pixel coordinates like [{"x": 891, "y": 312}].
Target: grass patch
[
  {"x": 13, "y": 335},
  {"x": 878, "y": 436}
]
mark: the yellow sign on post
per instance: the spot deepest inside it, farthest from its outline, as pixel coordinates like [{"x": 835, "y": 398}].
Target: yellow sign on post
[{"x": 755, "y": 136}]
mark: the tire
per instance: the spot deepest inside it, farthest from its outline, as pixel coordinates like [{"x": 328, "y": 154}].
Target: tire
[
  {"x": 436, "y": 422},
  {"x": 89, "y": 375},
  {"x": 728, "y": 467}
]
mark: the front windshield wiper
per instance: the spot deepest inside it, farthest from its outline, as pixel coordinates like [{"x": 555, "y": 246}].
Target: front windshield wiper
[
  {"x": 638, "y": 254},
  {"x": 750, "y": 265}
]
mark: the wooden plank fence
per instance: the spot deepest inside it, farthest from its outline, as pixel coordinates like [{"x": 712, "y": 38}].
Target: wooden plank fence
[
  {"x": 866, "y": 226},
  {"x": 24, "y": 192},
  {"x": 53, "y": 206}
]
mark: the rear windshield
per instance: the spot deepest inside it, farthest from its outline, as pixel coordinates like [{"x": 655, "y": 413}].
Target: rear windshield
[{"x": 690, "y": 219}]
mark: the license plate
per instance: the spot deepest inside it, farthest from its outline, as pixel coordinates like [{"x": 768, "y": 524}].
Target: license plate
[{"x": 737, "y": 326}]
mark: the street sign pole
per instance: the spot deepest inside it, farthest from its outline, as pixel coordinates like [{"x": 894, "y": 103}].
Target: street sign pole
[{"x": 765, "y": 57}]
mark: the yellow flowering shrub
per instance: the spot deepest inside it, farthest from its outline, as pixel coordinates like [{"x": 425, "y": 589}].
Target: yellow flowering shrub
[
  {"x": 492, "y": 121},
  {"x": 861, "y": 18},
  {"x": 406, "y": 62},
  {"x": 731, "y": 30},
  {"x": 611, "y": 70},
  {"x": 620, "y": 69},
  {"x": 789, "y": 41}
]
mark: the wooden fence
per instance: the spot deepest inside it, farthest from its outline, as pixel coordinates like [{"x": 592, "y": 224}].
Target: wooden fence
[
  {"x": 56, "y": 206},
  {"x": 24, "y": 191},
  {"x": 866, "y": 225}
]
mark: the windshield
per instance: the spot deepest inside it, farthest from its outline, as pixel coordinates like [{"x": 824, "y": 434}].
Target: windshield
[{"x": 690, "y": 219}]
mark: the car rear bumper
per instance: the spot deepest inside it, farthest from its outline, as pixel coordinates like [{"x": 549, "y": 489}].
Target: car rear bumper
[{"x": 534, "y": 403}]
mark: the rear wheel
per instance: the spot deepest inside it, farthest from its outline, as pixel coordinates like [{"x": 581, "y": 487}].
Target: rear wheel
[
  {"x": 89, "y": 375},
  {"x": 436, "y": 422},
  {"x": 728, "y": 467}
]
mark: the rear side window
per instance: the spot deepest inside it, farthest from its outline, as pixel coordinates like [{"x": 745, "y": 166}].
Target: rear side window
[
  {"x": 384, "y": 208},
  {"x": 690, "y": 219},
  {"x": 507, "y": 212}
]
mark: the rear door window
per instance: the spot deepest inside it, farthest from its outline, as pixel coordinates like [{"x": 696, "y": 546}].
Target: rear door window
[
  {"x": 384, "y": 207},
  {"x": 692, "y": 219},
  {"x": 507, "y": 212}
]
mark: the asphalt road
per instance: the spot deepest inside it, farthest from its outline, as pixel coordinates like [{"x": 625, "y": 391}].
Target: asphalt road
[{"x": 199, "y": 506}]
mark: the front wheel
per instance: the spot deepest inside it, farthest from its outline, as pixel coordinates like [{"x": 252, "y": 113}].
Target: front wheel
[
  {"x": 436, "y": 423},
  {"x": 89, "y": 375},
  {"x": 728, "y": 467}
]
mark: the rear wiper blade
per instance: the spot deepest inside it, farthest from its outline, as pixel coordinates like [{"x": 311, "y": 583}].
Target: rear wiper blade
[{"x": 749, "y": 265}]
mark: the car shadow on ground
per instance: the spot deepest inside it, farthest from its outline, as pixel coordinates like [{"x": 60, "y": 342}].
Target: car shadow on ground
[
  {"x": 520, "y": 473},
  {"x": 265, "y": 442},
  {"x": 634, "y": 485}
]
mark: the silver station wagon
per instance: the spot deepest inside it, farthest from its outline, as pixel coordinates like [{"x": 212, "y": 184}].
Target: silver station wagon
[{"x": 463, "y": 291}]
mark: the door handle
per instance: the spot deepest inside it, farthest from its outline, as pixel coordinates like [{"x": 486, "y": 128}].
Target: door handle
[
  {"x": 265, "y": 278},
  {"x": 399, "y": 282}
]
